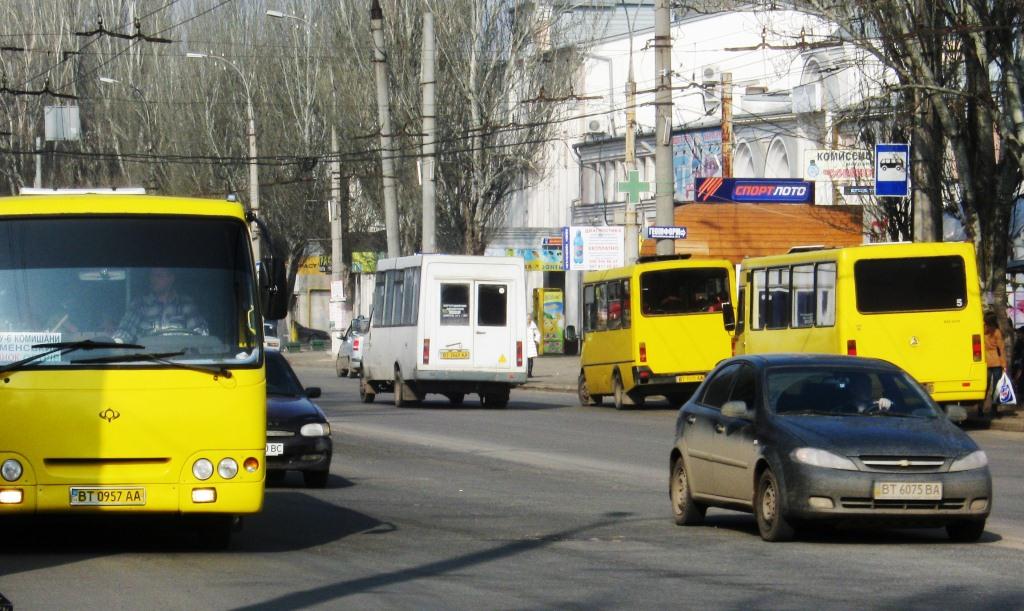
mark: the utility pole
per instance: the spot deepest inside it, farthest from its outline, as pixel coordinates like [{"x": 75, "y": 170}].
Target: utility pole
[
  {"x": 727, "y": 125},
  {"x": 383, "y": 112},
  {"x": 254, "y": 177},
  {"x": 663, "y": 176},
  {"x": 38, "y": 183},
  {"x": 341, "y": 303},
  {"x": 429, "y": 136},
  {"x": 632, "y": 231}
]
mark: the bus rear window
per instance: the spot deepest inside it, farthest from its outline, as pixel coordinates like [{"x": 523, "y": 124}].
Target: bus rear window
[
  {"x": 911, "y": 284},
  {"x": 683, "y": 291}
]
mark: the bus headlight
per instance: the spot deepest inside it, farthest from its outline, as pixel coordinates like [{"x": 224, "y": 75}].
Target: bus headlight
[
  {"x": 202, "y": 469},
  {"x": 11, "y": 470},
  {"x": 315, "y": 429},
  {"x": 227, "y": 468}
]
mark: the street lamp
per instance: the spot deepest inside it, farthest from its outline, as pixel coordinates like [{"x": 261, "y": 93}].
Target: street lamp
[
  {"x": 149, "y": 125},
  {"x": 280, "y": 15},
  {"x": 254, "y": 182}
]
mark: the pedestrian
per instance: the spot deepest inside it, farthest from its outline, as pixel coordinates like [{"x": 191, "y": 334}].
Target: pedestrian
[
  {"x": 533, "y": 335},
  {"x": 996, "y": 361}
]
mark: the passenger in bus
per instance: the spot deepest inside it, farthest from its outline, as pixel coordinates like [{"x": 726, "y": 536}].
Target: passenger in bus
[
  {"x": 996, "y": 361},
  {"x": 162, "y": 311}
]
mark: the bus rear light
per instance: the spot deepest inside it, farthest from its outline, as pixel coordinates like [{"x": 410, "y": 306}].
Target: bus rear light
[
  {"x": 204, "y": 495},
  {"x": 519, "y": 354},
  {"x": 251, "y": 464},
  {"x": 426, "y": 352},
  {"x": 643, "y": 352},
  {"x": 644, "y": 375},
  {"x": 851, "y": 347},
  {"x": 11, "y": 497},
  {"x": 976, "y": 347}
]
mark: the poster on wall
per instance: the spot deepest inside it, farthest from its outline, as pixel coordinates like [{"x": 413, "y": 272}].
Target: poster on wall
[
  {"x": 546, "y": 258},
  {"x": 695, "y": 155},
  {"x": 589, "y": 248}
]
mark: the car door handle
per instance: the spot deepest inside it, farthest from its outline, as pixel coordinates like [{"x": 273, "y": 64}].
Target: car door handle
[
  {"x": 719, "y": 428},
  {"x": 691, "y": 419}
]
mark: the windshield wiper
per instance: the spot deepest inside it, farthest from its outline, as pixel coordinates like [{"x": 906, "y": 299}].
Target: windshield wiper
[
  {"x": 156, "y": 357},
  {"x": 65, "y": 348}
]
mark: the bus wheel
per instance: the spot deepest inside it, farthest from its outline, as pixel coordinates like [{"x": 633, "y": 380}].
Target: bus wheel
[
  {"x": 586, "y": 399},
  {"x": 622, "y": 398},
  {"x": 366, "y": 394},
  {"x": 400, "y": 390}
]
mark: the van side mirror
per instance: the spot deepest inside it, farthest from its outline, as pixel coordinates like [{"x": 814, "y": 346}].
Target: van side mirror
[
  {"x": 273, "y": 284},
  {"x": 737, "y": 409},
  {"x": 728, "y": 316}
]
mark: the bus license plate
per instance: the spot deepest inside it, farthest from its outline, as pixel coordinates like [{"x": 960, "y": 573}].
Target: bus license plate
[
  {"x": 908, "y": 491},
  {"x": 692, "y": 377},
  {"x": 275, "y": 449},
  {"x": 455, "y": 354},
  {"x": 105, "y": 496}
]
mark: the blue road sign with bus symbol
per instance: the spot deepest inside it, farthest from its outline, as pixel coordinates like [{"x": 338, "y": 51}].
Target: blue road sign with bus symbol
[{"x": 892, "y": 170}]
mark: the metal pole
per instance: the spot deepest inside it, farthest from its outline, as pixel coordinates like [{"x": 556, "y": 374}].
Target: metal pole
[
  {"x": 254, "y": 177},
  {"x": 337, "y": 260},
  {"x": 429, "y": 137},
  {"x": 727, "y": 125},
  {"x": 632, "y": 244},
  {"x": 38, "y": 183},
  {"x": 387, "y": 164},
  {"x": 663, "y": 176}
]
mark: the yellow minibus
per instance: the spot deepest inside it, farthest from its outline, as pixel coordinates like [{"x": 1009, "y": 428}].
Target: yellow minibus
[
  {"x": 131, "y": 358},
  {"x": 917, "y": 306},
  {"x": 654, "y": 328}
]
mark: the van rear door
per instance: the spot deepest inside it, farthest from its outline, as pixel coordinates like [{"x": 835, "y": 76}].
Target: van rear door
[
  {"x": 454, "y": 337},
  {"x": 492, "y": 333}
]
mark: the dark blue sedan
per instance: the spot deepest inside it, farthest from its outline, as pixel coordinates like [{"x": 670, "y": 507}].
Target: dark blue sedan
[
  {"x": 801, "y": 439},
  {"x": 298, "y": 434}
]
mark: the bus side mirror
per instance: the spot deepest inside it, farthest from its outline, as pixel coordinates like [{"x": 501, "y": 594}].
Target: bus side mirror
[
  {"x": 273, "y": 288},
  {"x": 728, "y": 316}
]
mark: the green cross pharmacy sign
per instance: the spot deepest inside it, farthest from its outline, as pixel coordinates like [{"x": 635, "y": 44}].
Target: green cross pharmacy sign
[{"x": 633, "y": 187}]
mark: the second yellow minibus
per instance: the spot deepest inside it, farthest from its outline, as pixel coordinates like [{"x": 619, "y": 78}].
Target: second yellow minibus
[
  {"x": 654, "y": 328},
  {"x": 915, "y": 305}
]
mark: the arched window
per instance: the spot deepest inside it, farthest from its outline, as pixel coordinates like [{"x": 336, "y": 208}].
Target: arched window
[
  {"x": 743, "y": 162},
  {"x": 777, "y": 163}
]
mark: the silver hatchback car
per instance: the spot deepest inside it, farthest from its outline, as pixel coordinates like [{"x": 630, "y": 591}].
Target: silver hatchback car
[{"x": 349, "y": 360}]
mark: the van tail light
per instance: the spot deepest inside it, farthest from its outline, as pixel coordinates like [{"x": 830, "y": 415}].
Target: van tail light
[
  {"x": 851, "y": 347},
  {"x": 976, "y": 347},
  {"x": 355, "y": 344},
  {"x": 519, "y": 354},
  {"x": 426, "y": 352},
  {"x": 643, "y": 352}
]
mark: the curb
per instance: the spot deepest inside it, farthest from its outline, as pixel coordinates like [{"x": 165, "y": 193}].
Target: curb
[{"x": 549, "y": 387}]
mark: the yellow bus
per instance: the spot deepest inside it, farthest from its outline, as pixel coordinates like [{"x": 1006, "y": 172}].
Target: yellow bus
[
  {"x": 915, "y": 305},
  {"x": 654, "y": 328},
  {"x": 131, "y": 358}
]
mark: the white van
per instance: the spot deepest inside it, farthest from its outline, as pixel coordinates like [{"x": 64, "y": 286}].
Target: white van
[{"x": 446, "y": 324}]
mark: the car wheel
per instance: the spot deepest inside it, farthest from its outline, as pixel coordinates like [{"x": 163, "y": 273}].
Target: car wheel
[
  {"x": 366, "y": 394},
  {"x": 316, "y": 479},
  {"x": 586, "y": 399},
  {"x": 772, "y": 525},
  {"x": 456, "y": 398},
  {"x": 685, "y": 510},
  {"x": 353, "y": 372},
  {"x": 965, "y": 531}
]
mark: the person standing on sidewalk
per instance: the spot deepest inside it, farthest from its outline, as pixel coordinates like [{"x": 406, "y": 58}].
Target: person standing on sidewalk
[
  {"x": 532, "y": 343},
  {"x": 996, "y": 361}
]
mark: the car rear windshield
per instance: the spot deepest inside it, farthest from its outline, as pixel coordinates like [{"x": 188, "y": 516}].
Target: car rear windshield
[
  {"x": 829, "y": 391},
  {"x": 910, "y": 284}
]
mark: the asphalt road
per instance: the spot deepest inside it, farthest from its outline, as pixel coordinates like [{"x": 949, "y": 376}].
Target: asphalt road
[{"x": 545, "y": 504}]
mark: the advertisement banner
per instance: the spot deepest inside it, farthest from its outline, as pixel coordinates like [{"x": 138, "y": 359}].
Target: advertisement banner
[
  {"x": 316, "y": 264},
  {"x": 547, "y": 258},
  {"x": 695, "y": 155},
  {"x": 364, "y": 262},
  {"x": 838, "y": 165},
  {"x": 755, "y": 190},
  {"x": 549, "y": 306},
  {"x": 590, "y": 248}
]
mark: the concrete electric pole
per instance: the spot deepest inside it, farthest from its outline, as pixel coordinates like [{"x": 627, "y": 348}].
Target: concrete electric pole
[
  {"x": 341, "y": 308},
  {"x": 384, "y": 113},
  {"x": 727, "y": 125},
  {"x": 663, "y": 176},
  {"x": 429, "y": 137}
]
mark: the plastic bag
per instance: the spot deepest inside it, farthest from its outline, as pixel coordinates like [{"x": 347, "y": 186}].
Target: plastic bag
[{"x": 1005, "y": 388}]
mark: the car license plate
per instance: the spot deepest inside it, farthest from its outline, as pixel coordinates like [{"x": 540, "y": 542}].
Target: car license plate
[
  {"x": 107, "y": 496},
  {"x": 275, "y": 449},
  {"x": 908, "y": 491},
  {"x": 690, "y": 377},
  {"x": 455, "y": 354}
]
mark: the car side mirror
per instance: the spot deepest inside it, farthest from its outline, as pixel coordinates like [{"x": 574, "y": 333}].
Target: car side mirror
[
  {"x": 313, "y": 392},
  {"x": 737, "y": 409},
  {"x": 728, "y": 316},
  {"x": 956, "y": 413}
]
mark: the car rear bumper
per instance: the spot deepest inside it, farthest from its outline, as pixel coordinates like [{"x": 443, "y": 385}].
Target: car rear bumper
[
  {"x": 965, "y": 495},
  {"x": 510, "y": 377}
]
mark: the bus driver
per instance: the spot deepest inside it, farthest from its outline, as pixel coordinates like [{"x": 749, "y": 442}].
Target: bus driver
[{"x": 162, "y": 311}]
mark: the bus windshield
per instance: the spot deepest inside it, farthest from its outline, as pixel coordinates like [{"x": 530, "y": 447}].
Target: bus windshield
[
  {"x": 910, "y": 284},
  {"x": 683, "y": 291},
  {"x": 180, "y": 287}
]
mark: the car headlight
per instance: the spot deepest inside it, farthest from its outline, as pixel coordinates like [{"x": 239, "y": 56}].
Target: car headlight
[
  {"x": 315, "y": 429},
  {"x": 974, "y": 460},
  {"x": 11, "y": 470},
  {"x": 817, "y": 457},
  {"x": 227, "y": 468},
  {"x": 202, "y": 469}
]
